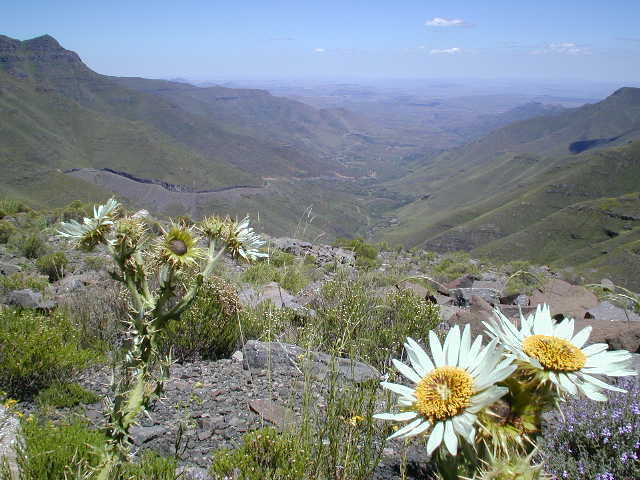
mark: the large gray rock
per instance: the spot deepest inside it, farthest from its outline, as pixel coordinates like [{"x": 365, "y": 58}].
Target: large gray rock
[
  {"x": 9, "y": 269},
  {"x": 609, "y": 311},
  {"x": 272, "y": 292},
  {"x": 9, "y": 428},
  {"x": 274, "y": 355},
  {"x": 28, "y": 298}
]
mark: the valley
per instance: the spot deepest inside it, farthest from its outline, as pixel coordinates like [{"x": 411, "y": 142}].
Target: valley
[{"x": 434, "y": 166}]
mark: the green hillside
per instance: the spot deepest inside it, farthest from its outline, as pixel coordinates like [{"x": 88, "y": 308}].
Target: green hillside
[{"x": 520, "y": 191}]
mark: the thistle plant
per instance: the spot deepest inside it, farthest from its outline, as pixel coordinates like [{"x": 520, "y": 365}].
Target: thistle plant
[
  {"x": 485, "y": 405},
  {"x": 178, "y": 267}
]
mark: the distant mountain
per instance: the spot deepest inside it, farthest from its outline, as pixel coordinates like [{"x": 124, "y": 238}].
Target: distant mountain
[
  {"x": 56, "y": 114},
  {"x": 488, "y": 123},
  {"x": 521, "y": 190}
]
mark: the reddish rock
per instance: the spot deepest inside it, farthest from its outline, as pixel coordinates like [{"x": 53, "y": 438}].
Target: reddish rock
[
  {"x": 565, "y": 299},
  {"x": 280, "y": 416},
  {"x": 618, "y": 335},
  {"x": 416, "y": 288}
]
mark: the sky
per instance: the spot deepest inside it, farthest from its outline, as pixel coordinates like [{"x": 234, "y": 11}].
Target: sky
[{"x": 589, "y": 40}]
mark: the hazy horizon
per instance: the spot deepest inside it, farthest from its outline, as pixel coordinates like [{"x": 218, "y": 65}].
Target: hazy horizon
[{"x": 542, "y": 41}]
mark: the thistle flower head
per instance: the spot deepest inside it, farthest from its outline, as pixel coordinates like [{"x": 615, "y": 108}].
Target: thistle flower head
[
  {"x": 550, "y": 352},
  {"x": 129, "y": 233},
  {"x": 93, "y": 230},
  {"x": 213, "y": 227},
  {"x": 449, "y": 391},
  {"x": 177, "y": 247}
]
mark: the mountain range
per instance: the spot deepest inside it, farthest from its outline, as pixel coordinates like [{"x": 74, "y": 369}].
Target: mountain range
[{"x": 552, "y": 184}]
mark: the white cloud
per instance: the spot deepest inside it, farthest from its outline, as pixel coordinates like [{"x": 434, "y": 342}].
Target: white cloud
[
  {"x": 445, "y": 51},
  {"x": 446, "y": 22},
  {"x": 319, "y": 50},
  {"x": 564, "y": 48}
]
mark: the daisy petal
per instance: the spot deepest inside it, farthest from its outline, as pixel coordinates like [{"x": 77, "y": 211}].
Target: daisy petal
[
  {"x": 450, "y": 438},
  {"x": 423, "y": 427},
  {"x": 419, "y": 358},
  {"x": 435, "y": 439},
  {"x": 406, "y": 429},
  {"x": 406, "y": 371},
  {"x": 399, "y": 389},
  {"x": 396, "y": 417},
  {"x": 581, "y": 337},
  {"x": 436, "y": 349}
]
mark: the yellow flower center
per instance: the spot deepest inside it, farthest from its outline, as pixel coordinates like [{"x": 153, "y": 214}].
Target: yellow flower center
[
  {"x": 554, "y": 353},
  {"x": 444, "y": 393}
]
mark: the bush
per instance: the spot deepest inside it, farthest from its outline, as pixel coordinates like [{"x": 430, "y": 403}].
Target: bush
[
  {"x": 6, "y": 230},
  {"x": 28, "y": 245},
  {"x": 351, "y": 322},
  {"x": 260, "y": 273},
  {"x": 454, "y": 265},
  {"x": 11, "y": 207},
  {"x": 209, "y": 329},
  {"x": 65, "y": 395},
  {"x": 36, "y": 350},
  {"x": 366, "y": 253},
  {"x": 598, "y": 440},
  {"x": 72, "y": 450},
  {"x": 18, "y": 281},
  {"x": 96, "y": 262},
  {"x": 263, "y": 455},
  {"x": 292, "y": 278},
  {"x": 46, "y": 450},
  {"x": 279, "y": 258},
  {"x": 53, "y": 265}
]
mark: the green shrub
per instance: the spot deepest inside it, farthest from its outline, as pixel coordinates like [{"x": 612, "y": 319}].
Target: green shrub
[
  {"x": 260, "y": 273},
  {"x": 11, "y": 207},
  {"x": 29, "y": 245},
  {"x": 57, "y": 452},
  {"x": 294, "y": 279},
  {"x": 72, "y": 450},
  {"x": 53, "y": 265},
  {"x": 366, "y": 253},
  {"x": 352, "y": 322},
  {"x": 454, "y": 265},
  {"x": 152, "y": 466},
  {"x": 309, "y": 260},
  {"x": 263, "y": 455},
  {"x": 291, "y": 278},
  {"x": 65, "y": 395},
  {"x": 209, "y": 329},
  {"x": 6, "y": 230},
  {"x": 20, "y": 280},
  {"x": 279, "y": 258},
  {"x": 36, "y": 350},
  {"x": 96, "y": 262}
]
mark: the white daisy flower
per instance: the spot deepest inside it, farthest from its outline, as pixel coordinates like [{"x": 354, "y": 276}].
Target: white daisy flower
[
  {"x": 557, "y": 355},
  {"x": 450, "y": 389},
  {"x": 244, "y": 242}
]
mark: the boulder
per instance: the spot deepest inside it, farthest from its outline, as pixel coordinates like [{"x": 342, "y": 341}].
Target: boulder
[
  {"x": 463, "y": 295},
  {"x": 612, "y": 313},
  {"x": 28, "y": 298},
  {"x": 278, "y": 356},
  {"x": 282, "y": 417},
  {"x": 618, "y": 335},
  {"x": 9, "y": 428},
  {"x": 272, "y": 292},
  {"x": 9, "y": 269},
  {"x": 416, "y": 288},
  {"x": 565, "y": 299}
]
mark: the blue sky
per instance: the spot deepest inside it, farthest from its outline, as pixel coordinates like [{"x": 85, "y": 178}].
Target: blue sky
[{"x": 587, "y": 40}]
